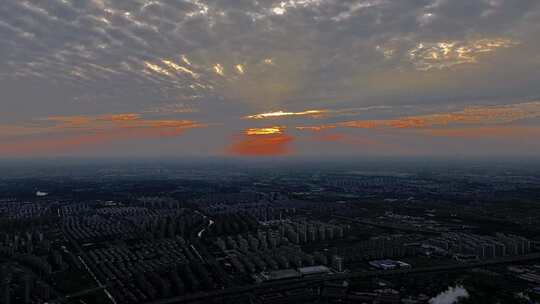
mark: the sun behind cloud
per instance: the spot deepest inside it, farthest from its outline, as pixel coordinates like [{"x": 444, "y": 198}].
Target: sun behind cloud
[{"x": 269, "y": 141}]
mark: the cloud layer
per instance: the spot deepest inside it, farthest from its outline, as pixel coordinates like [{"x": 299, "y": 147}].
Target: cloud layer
[{"x": 302, "y": 64}]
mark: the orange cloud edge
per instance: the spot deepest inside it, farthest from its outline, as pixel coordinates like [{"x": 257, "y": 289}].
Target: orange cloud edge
[
  {"x": 268, "y": 141},
  {"x": 72, "y": 133},
  {"x": 62, "y": 133}
]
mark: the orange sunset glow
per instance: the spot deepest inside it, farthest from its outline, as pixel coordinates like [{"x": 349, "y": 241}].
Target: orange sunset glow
[{"x": 270, "y": 141}]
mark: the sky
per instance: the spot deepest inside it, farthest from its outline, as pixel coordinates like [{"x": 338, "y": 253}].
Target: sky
[{"x": 264, "y": 78}]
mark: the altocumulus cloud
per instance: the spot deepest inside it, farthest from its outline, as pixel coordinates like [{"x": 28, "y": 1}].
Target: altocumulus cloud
[
  {"x": 264, "y": 52},
  {"x": 296, "y": 60}
]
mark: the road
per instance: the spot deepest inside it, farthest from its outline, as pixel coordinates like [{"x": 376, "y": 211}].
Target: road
[
  {"x": 305, "y": 282},
  {"x": 210, "y": 223},
  {"x": 81, "y": 256},
  {"x": 109, "y": 295}
]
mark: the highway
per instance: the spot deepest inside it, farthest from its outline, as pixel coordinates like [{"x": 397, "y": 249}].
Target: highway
[{"x": 305, "y": 282}]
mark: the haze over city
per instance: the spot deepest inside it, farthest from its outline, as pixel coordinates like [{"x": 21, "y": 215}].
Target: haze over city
[{"x": 295, "y": 78}]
